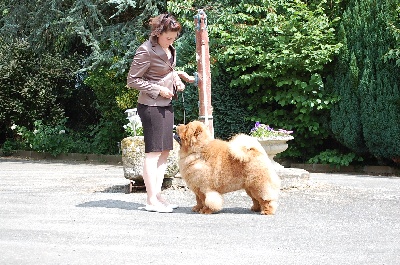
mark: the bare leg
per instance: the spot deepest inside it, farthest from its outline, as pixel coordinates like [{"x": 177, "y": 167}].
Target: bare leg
[
  {"x": 150, "y": 171},
  {"x": 161, "y": 167}
]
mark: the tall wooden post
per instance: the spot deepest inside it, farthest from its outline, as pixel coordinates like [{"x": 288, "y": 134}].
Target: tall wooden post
[{"x": 203, "y": 70}]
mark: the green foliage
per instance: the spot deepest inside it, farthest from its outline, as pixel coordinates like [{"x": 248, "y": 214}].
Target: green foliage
[
  {"x": 10, "y": 145},
  {"x": 48, "y": 138},
  {"x": 271, "y": 56},
  {"x": 230, "y": 110},
  {"x": 394, "y": 27},
  {"x": 100, "y": 30},
  {"x": 367, "y": 117},
  {"x": 43, "y": 78},
  {"x": 269, "y": 60},
  {"x": 335, "y": 158},
  {"x": 112, "y": 99},
  {"x": 32, "y": 87},
  {"x": 133, "y": 131}
]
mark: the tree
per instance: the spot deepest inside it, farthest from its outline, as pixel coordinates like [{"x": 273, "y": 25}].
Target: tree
[
  {"x": 367, "y": 117},
  {"x": 99, "y": 36},
  {"x": 32, "y": 87},
  {"x": 273, "y": 54}
]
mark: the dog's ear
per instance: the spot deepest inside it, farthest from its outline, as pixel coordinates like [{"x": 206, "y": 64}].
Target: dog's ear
[
  {"x": 193, "y": 131},
  {"x": 198, "y": 131}
]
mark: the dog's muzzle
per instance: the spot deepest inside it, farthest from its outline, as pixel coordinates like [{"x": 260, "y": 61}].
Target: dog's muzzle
[{"x": 177, "y": 138}]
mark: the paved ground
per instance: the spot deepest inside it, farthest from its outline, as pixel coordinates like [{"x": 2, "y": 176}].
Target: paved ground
[{"x": 75, "y": 213}]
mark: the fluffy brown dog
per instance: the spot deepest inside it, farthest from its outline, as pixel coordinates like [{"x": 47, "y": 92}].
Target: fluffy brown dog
[{"x": 212, "y": 167}]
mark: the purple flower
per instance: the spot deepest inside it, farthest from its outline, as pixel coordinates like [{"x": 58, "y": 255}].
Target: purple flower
[{"x": 261, "y": 130}]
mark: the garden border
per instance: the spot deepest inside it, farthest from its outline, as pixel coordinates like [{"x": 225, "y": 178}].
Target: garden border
[{"x": 117, "y": 160}]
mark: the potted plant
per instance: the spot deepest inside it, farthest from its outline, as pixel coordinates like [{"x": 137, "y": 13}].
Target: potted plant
[{"x": 273, "y": 141}]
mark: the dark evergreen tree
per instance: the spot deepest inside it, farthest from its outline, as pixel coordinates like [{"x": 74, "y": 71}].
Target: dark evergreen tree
[
  {"x": 367, "y": 117},
  {"x": 99, "y": 36}
]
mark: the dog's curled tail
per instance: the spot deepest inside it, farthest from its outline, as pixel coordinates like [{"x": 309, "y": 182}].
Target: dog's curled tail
[{"x": 243, "y": 147}]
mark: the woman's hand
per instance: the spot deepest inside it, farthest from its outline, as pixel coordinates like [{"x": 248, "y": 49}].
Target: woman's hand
[
  {"x": 185, "y": 77},
  {"x": 180, "y": 86},
  {"x": 166, "y": 93}
]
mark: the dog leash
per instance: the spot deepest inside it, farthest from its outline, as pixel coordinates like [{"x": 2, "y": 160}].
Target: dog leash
[
  {"x": 183, "y": 104},
  {"x": 184, "y": 109}
]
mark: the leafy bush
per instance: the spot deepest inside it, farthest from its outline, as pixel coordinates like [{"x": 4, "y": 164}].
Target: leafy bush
[
  {"x": 44, "y": 138},
  {"x": 11, "y": 145},
  {"x": 269, "y": 57},
  {"x": 112, "y": 99},
  {"x": 60, "y": 139},
  {"x": 335, "y": 158},
  {"x": 32, "y": 87}
]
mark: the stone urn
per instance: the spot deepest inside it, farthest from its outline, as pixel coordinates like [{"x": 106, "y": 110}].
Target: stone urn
[
  {"x": 133, "y": 158},
  {"x": 274, "y": 146}
]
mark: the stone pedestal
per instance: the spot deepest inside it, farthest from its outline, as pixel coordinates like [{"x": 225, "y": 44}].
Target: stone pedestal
[
  {"x": 291, "y": 177},
  {"x": 133, "y": 159}
]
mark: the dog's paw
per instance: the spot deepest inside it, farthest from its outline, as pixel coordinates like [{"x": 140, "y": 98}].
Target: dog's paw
[
  {"x": 269, "y": 208},
  {"x": 197, "y": 208},
  {"x": 256, "y": 208},
  {"x": 206, "y": 210},
  {"x": 267, "y": 212}
]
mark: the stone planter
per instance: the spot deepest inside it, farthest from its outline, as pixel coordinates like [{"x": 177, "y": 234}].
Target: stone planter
[
  {"x": 274, "y": 146},
  {"x": 133, "y": 158}
]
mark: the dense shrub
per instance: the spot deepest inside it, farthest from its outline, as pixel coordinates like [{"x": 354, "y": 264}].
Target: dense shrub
[
  {"x": 367, "y": 117},
  {"x": 112, "y": 99},
  {"x": 267, "y": 60},
  {"x": 41, "y": 78},
  {"x": 32, "y": 87}
]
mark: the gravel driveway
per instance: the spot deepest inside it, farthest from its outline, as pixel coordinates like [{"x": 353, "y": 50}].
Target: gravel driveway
[{"x": 76, "y": 213}]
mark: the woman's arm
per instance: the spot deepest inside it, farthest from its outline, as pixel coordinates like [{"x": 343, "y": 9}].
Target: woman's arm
[
  {"x": 139, "y": 66},
  {"x": 179, "y": 84}
]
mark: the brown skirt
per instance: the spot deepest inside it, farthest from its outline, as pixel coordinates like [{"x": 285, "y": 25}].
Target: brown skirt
[{"x": 158, "y": 123}]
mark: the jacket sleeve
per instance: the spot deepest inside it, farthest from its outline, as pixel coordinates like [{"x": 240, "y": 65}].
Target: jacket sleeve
[{"x": 139, "y": 66}]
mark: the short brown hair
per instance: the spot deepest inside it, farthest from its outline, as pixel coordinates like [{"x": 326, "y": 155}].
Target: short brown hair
[{"x": 163, "y": 23}]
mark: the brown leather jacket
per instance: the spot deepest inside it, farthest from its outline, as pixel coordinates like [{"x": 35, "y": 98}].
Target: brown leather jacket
[{"x": 151, "y": 69}]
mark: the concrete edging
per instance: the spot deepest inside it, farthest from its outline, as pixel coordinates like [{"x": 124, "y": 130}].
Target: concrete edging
[
  {"x": 370, "y": 170},
  {"x": 106, "y": 159}
]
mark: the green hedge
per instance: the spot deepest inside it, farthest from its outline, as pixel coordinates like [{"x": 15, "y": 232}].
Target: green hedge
[{"x": 367, "y": 117}]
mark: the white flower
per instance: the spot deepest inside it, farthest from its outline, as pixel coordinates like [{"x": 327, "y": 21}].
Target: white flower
[
  {"x": 131, "y": 112},
  {"x": 13, "y": 127},
  {"x": 135, "y": 124},
  {"x": 61, "y": 132},
  {"x": 35, "y": 131},
  {"x": 135, "y": 120}
]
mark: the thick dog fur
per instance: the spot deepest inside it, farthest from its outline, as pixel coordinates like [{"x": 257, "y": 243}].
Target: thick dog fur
[{"x": 212, "y": 167}]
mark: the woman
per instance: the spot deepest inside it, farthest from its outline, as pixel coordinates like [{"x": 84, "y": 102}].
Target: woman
[{"x": 152, "y": 73}]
